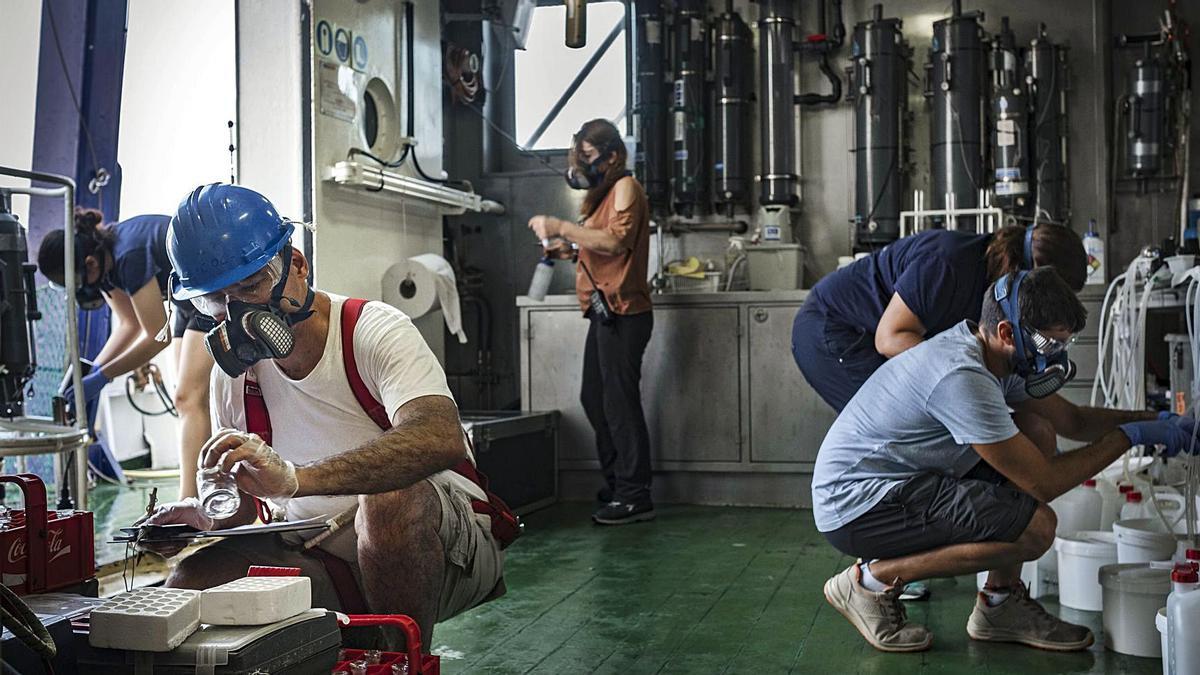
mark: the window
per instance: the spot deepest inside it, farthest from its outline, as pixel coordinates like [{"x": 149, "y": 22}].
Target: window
[
  {"x": 546, "y": 67},
  {"x": 179, "y": 96}
]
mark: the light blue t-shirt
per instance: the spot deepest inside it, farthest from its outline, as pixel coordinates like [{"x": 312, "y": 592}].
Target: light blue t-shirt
[{"x": 919, "y": 413}]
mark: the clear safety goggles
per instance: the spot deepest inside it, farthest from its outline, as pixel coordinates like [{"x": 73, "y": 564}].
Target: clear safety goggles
[
  {"x": 1047, "y": 346},
  {"x": 216, "y": 304}
]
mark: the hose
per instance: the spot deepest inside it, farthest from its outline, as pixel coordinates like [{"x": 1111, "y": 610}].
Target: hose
[{"x": 16, "y": 616}]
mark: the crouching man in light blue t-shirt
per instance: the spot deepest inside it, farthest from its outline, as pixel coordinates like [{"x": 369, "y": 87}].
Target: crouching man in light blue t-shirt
[{"x": 927, "y": 474}]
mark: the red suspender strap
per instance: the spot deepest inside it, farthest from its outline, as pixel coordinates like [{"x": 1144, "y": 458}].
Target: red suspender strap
[
  {"x": 505, "y": 525},
  {"x": 351, "y": 311},
  {"x": 258, "y": 420}
]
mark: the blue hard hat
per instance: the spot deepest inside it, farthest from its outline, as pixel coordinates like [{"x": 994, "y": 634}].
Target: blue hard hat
[{"x": 220, "y": 235}]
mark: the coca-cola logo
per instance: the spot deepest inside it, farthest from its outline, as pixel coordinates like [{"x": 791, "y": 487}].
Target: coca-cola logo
[{"x": 17, "y": 552}]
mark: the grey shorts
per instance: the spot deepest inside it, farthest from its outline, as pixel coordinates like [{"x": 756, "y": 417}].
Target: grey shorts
[{"x": 932, "y": 510}]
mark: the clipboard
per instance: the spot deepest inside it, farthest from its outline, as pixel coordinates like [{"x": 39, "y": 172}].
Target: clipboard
[{"x": 181, "y": 533}]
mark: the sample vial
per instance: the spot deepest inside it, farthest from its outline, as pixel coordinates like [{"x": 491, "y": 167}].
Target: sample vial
[
  {"x": 400, "y": 668},
  {"x": 218, "y": 493},
  {"x": 373, "y": 656},
  {"x": 359, "y": 667}
]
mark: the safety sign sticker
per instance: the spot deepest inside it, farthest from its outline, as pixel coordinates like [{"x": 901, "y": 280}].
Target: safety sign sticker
[
  {"x": 337, "y": 93},
  {"x": 341, "y": 43},
  {"x": 324, "y": 38},
  {"x": 360, "y": 53}
]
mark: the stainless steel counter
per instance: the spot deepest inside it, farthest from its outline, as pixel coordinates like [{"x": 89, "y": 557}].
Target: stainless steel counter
[
  {"x": 671, "y": 299},
  {"x": 732, "y": 420}
]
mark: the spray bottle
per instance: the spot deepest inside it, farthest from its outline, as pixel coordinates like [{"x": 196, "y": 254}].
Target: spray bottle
[
  {"x": 1093, "y": 245},
  {"x": 539, "y": 285}
]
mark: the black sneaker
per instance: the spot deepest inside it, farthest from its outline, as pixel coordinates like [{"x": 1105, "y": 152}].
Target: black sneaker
[
  {"x": 621, "y": 513},
  {"x": 604, "y": 495}
]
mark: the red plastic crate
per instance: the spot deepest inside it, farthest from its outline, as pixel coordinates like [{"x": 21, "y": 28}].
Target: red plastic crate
[
  {"x": 419, "y": 664},
  {"x": 430, "y": 665},
  {"x": 44, "y": 550}
]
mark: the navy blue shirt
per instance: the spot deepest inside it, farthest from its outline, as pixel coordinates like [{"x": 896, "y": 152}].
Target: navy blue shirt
[
  {"x": 940, "y": 274},
  {"x": 140, "y": 253}
]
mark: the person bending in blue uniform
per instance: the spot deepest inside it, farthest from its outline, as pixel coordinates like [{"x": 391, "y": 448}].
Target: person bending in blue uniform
[
  {"x": 126, "y": 265},
  {"x": 875, "y": 308},
  {"x": 926, "y": 475}
]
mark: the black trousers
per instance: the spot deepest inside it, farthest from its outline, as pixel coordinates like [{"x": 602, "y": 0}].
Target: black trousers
[{"x": 612, "y": 398}]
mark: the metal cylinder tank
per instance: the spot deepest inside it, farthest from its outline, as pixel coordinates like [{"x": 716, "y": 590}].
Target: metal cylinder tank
[
  {"x": 689, "y": 175},
  {"x": 16, "y": 311},
  {"x": 1009, "y": 135},
  {"x": 879, "y": 60},
  {"x": 650, "y": 110},
  {"x": 1147, "y": 117},
  {"x": 957, "y": 91},
  {"x": 733, "y": 68},
  {"x": 1047, "y": 74},
  {"x": 777, "y": 91}
]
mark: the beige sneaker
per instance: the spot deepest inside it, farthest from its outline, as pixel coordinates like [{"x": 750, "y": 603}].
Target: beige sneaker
[
  {"x": 880, "y": 617},
  {"x": 1022, "y": 619}
]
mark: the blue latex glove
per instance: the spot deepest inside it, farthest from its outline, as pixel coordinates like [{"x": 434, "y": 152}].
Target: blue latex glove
[
  {"x": 93, "y": 384},
  {"x": 1173, "y": 433}
]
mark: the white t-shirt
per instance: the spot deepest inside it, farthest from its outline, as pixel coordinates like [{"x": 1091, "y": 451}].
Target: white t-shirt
[{"x": 318, "y": 416}]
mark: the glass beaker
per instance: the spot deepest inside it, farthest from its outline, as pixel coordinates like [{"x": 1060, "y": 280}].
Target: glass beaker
[{"x": 218, "y": 490}]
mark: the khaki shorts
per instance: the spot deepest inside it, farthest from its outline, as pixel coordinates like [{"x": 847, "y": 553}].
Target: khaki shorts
[{"x": 474, "y": 562}]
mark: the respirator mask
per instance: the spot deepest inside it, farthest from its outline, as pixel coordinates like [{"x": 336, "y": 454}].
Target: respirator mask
[
  {"x": 589, "y": 177},
  {"x": 592, "y": 174},
  {"x": 254, "y": 332},
  {"x": 91, "y": 296},
  {"x": 1040, "y": 360}
]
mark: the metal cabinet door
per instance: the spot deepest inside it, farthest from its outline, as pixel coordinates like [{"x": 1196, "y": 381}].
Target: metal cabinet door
[
  {"x": 691, "y": 385},
  {"x": 555, "y": 364},
  {"x": 788, "y": 420}
]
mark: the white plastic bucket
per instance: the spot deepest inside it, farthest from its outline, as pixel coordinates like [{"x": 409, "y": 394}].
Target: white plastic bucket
[
  {"x": 1080, "y": 557},
  {"x": 1133, "y": 595},
  {"x": 1142, "y": 540},
  {"x": 1077, "y": 509}
]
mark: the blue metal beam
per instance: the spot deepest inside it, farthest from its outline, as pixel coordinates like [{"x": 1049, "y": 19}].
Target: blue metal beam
[{"x": 81, "y": 64}]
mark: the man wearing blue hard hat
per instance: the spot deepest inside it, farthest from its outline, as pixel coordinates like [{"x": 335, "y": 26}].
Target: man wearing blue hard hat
[{"x": 331, "y": 409}]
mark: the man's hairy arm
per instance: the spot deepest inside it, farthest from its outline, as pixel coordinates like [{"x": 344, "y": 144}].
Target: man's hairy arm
[{"x": 426, "y": 437}]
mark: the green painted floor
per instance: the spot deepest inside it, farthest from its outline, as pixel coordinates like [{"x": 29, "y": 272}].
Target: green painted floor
[{"x": 711, "y": 590}]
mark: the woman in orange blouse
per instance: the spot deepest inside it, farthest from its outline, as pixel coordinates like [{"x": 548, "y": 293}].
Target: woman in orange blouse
[{"x": 611, "y": 282}]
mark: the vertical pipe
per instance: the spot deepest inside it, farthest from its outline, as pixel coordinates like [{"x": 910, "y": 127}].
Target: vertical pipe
[
  {"x": 879, "y": 59},
  {"x": 1045, "y": 66},
  {"x": 650, "y": 105},
  {"x": 1010, "y": 118},
  {"x": 957, "y": 79},
  {"x": 776, "y": 58},
  {"x": 732, "y": 73},
  {"x": 576, "y": 28},
  {"x": 690, "y": 126}
]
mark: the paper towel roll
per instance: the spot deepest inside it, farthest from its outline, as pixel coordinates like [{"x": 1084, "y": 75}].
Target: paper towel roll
[{"x": 422, "y": 284}]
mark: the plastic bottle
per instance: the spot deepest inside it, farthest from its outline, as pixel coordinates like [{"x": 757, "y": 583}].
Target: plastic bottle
[
  {"x": 1093, "y": 245},
  {"x": 542, "y": 275},
  {"x": 1135, "y": 507},
  {"x": 1078, "y": 508},
  {"x": 1183, "y": 616},
  {"x": 1111, "y": 502}
]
